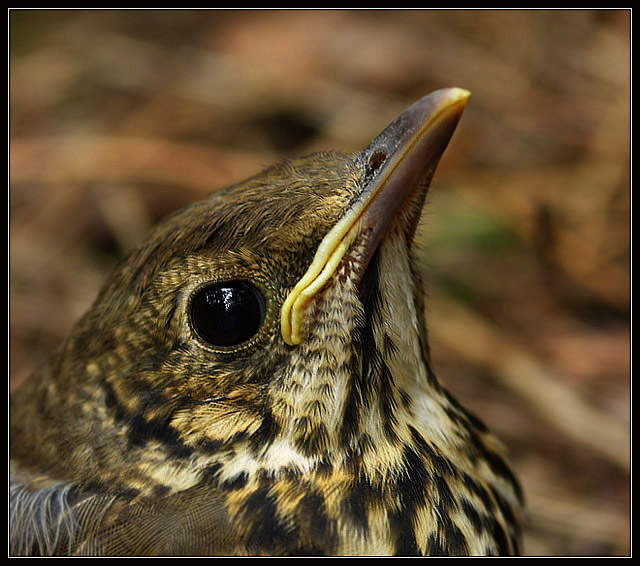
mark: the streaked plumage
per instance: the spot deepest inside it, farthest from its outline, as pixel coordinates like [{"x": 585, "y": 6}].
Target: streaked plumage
[{"x": 312, "y": 424}]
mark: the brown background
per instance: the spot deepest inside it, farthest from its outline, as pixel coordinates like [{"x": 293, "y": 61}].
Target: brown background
[{"x": 119, "y": 117}]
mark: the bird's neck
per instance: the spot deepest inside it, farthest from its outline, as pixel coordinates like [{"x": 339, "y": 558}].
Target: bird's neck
[{"x": 358, "y": 387}]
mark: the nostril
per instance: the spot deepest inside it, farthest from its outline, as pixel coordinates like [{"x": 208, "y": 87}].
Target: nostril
[{"x": 376, "y": 160}]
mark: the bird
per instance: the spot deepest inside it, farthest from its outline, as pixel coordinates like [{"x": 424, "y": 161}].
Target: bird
[{"x": 255, "y": 379}]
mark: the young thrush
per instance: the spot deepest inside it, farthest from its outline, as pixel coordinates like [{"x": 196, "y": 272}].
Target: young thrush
[{"x": 255, "y": 379}]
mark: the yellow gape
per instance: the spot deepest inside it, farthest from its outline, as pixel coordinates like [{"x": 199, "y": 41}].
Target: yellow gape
[{"x": 380, "y": 198}]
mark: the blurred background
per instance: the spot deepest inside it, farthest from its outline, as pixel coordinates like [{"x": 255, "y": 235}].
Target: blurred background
[{"x": 118, "y": 117}]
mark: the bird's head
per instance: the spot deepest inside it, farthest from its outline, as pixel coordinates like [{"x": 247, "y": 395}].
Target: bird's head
[{"x": 280, "y": 317}]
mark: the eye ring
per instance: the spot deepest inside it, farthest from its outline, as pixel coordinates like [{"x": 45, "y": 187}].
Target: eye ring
[{"x": 226, "y": 315}]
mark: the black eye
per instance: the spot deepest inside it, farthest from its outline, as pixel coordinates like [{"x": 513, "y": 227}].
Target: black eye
[{"x": 227, "y": 314}]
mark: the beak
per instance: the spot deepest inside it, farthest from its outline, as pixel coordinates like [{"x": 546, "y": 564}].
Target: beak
[{"x": 398, "y": 162}]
